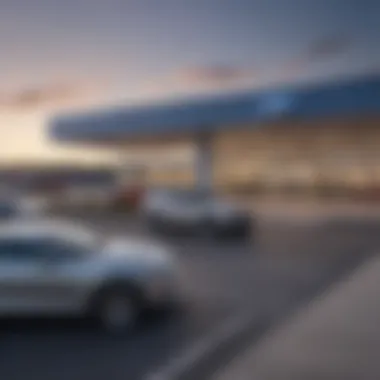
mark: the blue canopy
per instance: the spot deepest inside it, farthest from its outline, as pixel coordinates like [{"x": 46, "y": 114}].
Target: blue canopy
[{"x": 217, "y": 112}]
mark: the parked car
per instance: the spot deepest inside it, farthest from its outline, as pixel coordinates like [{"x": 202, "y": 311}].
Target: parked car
[
  {"x": 55, "y": 269},
  {"x": 19, "y": 207},
  {"x": 195, "y": 211}
]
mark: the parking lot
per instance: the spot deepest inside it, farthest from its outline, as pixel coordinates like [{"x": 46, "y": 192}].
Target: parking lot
[{"x": 287, "y": 264}]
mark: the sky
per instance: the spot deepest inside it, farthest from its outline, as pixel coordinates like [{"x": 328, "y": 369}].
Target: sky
[{"x": 60, "y": 56}]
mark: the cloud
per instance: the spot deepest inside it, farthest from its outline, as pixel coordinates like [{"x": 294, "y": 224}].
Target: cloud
[
  {"x": 320, "y": 50},
  {"x": 55, "y": 94},
  {"x": 326, "y": 47},
  {"x": 194, "y": 80},
  {"x": 213, "y": 74}
]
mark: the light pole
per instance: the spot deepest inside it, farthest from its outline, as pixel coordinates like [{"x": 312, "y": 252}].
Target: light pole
[{"x": 203, "y": 168}]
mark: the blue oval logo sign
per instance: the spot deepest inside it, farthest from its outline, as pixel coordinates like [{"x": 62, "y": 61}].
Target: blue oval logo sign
[{"x": 275, "y": 103}]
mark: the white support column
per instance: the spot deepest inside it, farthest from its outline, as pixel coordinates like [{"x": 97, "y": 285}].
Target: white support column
[
  {"x": 130, "y": 169},
  {"x": 203, "y": 170}
]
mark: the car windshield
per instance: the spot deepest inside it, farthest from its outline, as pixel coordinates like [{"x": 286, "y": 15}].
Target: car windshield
[
  {"x": 197, "y": 195},
  {"x": 190, "y": 195},
  {"x": 48, "y": 238}
]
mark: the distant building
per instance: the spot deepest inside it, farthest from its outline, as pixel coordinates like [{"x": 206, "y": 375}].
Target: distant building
[{"x": 48, "y": 179}]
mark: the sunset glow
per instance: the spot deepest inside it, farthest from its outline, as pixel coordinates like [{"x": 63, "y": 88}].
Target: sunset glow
[{"x": 87, "y": 53}]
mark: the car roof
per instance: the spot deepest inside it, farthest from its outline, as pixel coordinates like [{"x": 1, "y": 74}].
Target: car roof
[
  {"x": 31, "y": 229},
  {"x": 179, "y": 191}
]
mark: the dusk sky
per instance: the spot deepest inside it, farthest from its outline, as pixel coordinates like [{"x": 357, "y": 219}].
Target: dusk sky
[{"x": 60, "y": 55}]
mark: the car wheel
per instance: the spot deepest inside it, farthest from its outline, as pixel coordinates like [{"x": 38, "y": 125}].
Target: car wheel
[
  {"x": 208, "y": 229},
  {"x": 156, "y": 224},
  {"x": 242, "y": 233},
  {"x": 248, "y": 234},
  {"x": 117, "y": 311}
]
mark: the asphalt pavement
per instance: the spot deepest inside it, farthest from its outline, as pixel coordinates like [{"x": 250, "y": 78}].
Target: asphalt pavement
[
  {"x": 220, "y": 280},
  {"x": 336, "y": 337}
]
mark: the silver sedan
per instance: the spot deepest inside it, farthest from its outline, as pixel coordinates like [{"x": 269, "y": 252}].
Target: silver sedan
[
  {"x": 55, "y": 269},
  {"x": 196, "y": 211}
]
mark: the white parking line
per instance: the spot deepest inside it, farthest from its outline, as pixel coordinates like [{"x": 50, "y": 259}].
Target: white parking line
[{"x": 202, "y": 348}]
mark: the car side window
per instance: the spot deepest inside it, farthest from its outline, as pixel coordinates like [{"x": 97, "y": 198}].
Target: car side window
[
  {"x": 192, "y": 200},
  {"x": 60, "y": 249},
  {"x": 12, "y": 249},
  {"x": 38, "y": 249}
]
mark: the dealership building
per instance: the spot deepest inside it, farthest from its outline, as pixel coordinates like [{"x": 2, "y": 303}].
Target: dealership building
[{"x": 303, "y": 137}]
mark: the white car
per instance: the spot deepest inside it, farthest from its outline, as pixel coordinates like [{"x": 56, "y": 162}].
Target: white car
[
  {"x": 54, "y": 268},
  {"x": 195, "y": 211}
]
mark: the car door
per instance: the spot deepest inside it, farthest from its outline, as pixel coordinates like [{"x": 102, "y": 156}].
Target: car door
[
  {"x": 41, "y": 276},
  {"x": 191, "y": 210},
  {"x": 63, "y": 276},
  {"x": 18, "y": 275}
]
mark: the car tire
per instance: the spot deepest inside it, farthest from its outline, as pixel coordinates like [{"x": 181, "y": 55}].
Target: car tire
[
  {"x": 156, "y": 225},
  {"x": 246, "y": 233},
  {"x": 117, "y": 310},
  {"x": 208, "y": 229}
]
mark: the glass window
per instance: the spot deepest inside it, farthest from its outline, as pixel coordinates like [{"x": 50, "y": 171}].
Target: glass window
[
  {"x": 18, "y": 249},
  {"x": 43, "y": 248},
  {"x": 66, "y": 249},
  {"x": 195, "y": 196}
]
